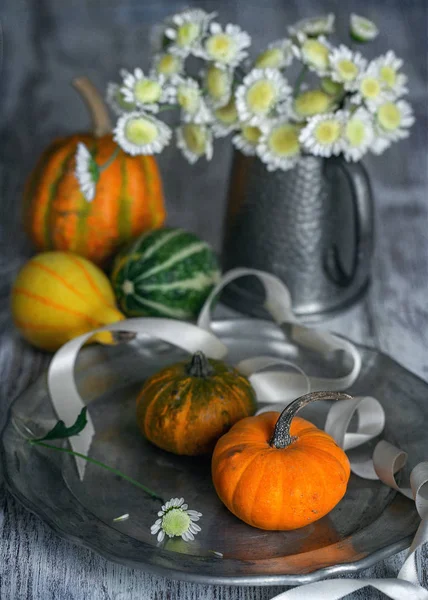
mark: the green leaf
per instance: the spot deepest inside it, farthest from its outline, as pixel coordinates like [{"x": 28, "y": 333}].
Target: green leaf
[{"x": 60, "y": 431}]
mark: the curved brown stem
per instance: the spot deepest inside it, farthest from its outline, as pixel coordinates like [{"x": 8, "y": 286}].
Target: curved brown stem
[
  {"x": 94, "y": 101},
  {"x": 281, "y": 436},
  {"x": 199, "y": 366}
]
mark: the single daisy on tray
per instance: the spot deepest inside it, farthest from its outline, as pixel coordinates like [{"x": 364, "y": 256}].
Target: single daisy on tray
[
  {"x": 357, "y": 134},
  {"x": 217, "y": 84},
  {"x": 176, "y": 520},
  {"x": 141, "y": 133},
  {"x": 262, "y": 92},
  {"x": 226, "y": 48},
  {"x": 388, "y": 67},
  {"x": 188, "y": 95},
  {"x": 346, "y": 66},
  {"x": 226, "y": 119},
  {"x": 247, "y": 138},
  {"x": 195, "y": 141},
  {"x": 322, "y": 136},
  {"x": 87, "y": 172},
  {"x": 185, "y": 31},
  {"x": 167, "y": 64},
  {"x": 277, "y": 55},
  {"x": 116, "y": 100},
  {"x": 315, "y": 54},
  {"x": 279, "y": 146},
  {"x": 145, "y": 91},
  {"x": 313, "y": 27}
]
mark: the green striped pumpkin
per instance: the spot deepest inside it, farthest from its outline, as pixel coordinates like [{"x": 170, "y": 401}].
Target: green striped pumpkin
[{"x": 165, "y": 273}]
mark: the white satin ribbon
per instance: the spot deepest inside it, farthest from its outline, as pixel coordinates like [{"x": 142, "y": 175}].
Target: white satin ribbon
[{"x": 277, "y": 387}]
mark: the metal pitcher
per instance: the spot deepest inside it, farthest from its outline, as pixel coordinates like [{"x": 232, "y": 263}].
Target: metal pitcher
[{"x": 312, "y": 226}]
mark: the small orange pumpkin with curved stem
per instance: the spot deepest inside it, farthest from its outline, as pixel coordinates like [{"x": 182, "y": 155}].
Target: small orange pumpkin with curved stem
[{"x": 280, "y": 472}]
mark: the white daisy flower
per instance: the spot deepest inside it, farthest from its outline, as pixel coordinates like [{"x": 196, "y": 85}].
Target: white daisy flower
[
  {"x": 346, "y": 66},
  {"x": 310, "y": 103},
  {"x": 369, "y": 89},
  {"x": 195, "y": 141},
  {"x": 247, "y": 139},
  {"x": 357, "y": 134},
  {"x": 388, "y": 67},
  {"x": 393, "y": 120},
  {"x": 279, "y": 146},
  {"x": 185, "y": 31},
  {"x": 225, "y": 47},
  {"x": 167, "y": 64},
  {"x": 314, "y": 26},
  {"x": 322, "y": 135},
  {"x": 226, "y": 119},
  {"x": 217, "y": 84},
  {"x": 87, "y": 172},
  {"x": 176, "y": 520},
  {"x": 145, "y": 91},
  {"x": 116, "y": 100},
  {"x": 277, "y": 55},
  {"x": 262, "y": 92},
  {"x": 188, "y": 95},
  {"x": 361, "y": 29},
  {"x": 141, "y": 133},
  {"x": 315, "y": 54}
]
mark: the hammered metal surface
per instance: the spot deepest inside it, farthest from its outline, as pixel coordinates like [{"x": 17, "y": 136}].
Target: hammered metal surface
[
  {"x": 370, "y": 523},
  {"x": 311, "y": 226}
]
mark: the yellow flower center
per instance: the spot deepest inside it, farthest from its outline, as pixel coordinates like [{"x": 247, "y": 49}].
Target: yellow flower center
[
  {"x": 217, "y": 82},
  {"x": 315, "y": 53},
  {"x": 347, "y": 69},
  {"x": 312, "y": 102},
  {"x": 370, "y": 87},
  {"x": 271, "y": 58},
  {"x": 227, "y": 114},
  {"x": 333, "y": 88},
  {"x": 388, "y": 75},
  {"x": 187, "y": 34},
  {"x": 147, "y": 91},
  {"x": 261, "y": 96},
  {"x": 188, "y": 98},
  {"x": 221, "y": 47},
  {"x": 251, "y": 134},
  {"x": 168, "y": 64},
  {"x": 195, "y": 137},
  {"x": 284, "y": 140},
  {"x": 355, "y": 132},
  {"x": 175, "y": 522},
  {"x": 389, "y": 116},
  {"x": 141, "y": 131},
  {"x": 327, "y": 132}
]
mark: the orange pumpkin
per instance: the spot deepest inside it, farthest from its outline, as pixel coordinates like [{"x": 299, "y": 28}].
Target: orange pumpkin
[
  {"x": 278, "y": 472},
  {"x": 186, "y": 407},
  {"x": 128, "y": 199}
]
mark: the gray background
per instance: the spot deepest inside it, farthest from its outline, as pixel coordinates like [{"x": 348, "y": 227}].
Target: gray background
[{"x": 46, "y": 44}]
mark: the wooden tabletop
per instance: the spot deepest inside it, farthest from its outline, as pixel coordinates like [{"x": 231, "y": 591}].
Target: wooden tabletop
[{"x": 45, "y": 45}]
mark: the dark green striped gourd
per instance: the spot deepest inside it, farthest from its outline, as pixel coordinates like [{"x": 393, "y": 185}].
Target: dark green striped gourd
[{"x": 165, "y": 273}]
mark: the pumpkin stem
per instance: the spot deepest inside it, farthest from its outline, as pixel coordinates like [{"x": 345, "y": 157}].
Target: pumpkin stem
[
  {"x": 199, "y": 366},
  {"x": 94, "y": 101},
  {"x": 281, "y": 436}
]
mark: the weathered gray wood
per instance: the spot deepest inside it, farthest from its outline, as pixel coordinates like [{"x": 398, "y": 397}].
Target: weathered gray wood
[{"x": 46, "y": 43}]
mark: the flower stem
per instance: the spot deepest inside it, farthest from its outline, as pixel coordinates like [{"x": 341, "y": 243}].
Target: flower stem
[
  {"x": 100, "y": 464},
  {"x": 299, "y": 80},
  {"x": 166, "y": 107},
  {"x": 109, "y": 160}
]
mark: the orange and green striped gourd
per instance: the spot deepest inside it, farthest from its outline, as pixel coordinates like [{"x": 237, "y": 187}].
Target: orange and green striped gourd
[
  {"x": 186, "y": 407},
  {"x": 60, "y": 295},
  {"x": 128, "y": 200}
]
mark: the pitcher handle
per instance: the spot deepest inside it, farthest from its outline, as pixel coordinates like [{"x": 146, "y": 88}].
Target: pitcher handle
[{"x": 362, "y": 199}]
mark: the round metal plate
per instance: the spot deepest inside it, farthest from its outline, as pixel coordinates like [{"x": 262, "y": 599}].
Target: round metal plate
[{"x": 369, "y": 524}]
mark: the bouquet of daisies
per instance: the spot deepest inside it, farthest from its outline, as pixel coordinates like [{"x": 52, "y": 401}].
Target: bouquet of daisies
[{"x": 339, "y": 102}]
